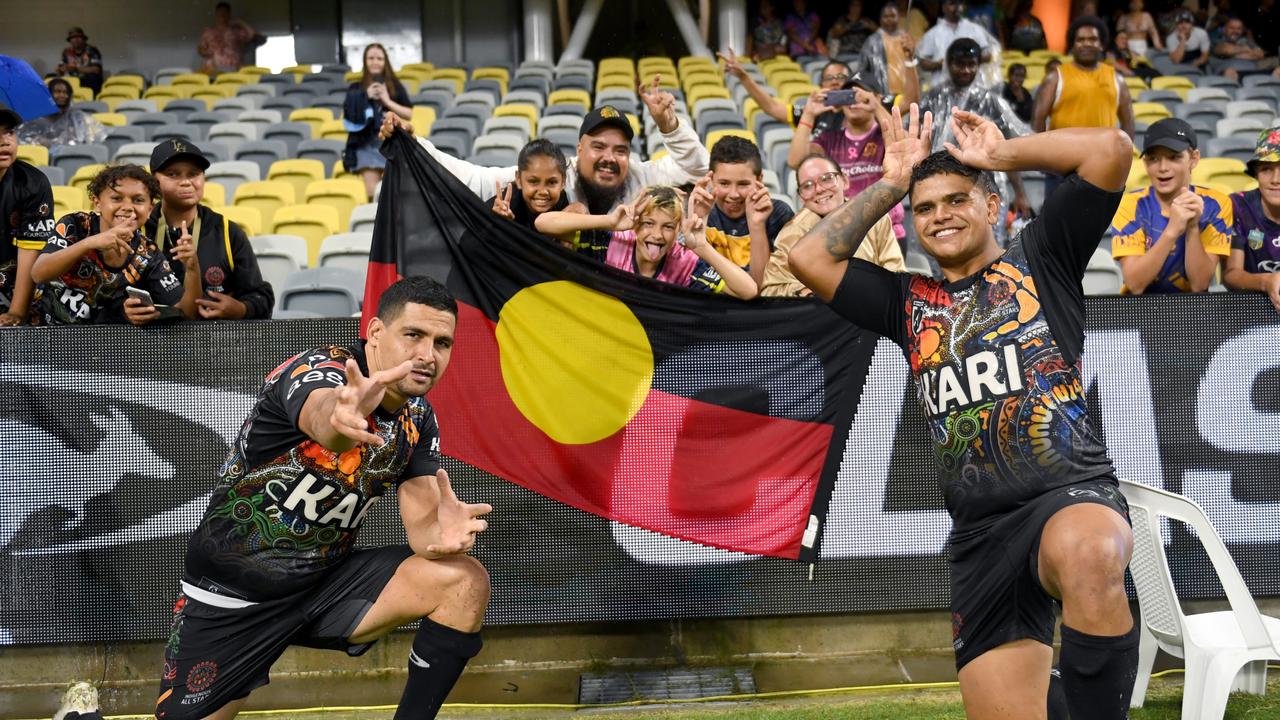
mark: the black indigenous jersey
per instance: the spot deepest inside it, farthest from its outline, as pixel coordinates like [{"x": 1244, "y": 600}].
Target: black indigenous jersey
[
  {"x": 93, "y": 291},
  {"x": 26, "y": 220},
  {"x": 996, "y": 359},
  {"x": 286, "y": 509}
]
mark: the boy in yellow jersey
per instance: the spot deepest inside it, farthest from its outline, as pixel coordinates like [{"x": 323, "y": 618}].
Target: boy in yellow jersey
[{"x": 1171, "y": 236}]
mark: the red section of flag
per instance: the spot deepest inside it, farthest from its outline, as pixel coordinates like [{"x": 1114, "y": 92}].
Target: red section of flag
[
  {"x": 701, "y": 472},
  {"x": 381, "y": 276}
]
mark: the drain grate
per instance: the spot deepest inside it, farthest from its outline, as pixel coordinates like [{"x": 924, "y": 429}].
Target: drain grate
[{"x": 673, "y": 684}]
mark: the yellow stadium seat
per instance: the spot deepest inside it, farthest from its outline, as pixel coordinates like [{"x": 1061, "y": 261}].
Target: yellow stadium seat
[
  {"x": 80, "y": 181},
  {"x": 610, "y": 82},
  {"x": 67, "y": 199},
  {"x": 702, "y": 92},
  {"x": 72, "y": 80},
  {"x": 622, "y": 64},
  {"x": 297, "y": 71},
  {"x": 714, "y": 136},
  {"x": 120, "y": 92},
  {"x": 312, "y": 222},
  {"x": 1014, "y": 55},
  {"x": 1171, "y": 82},
  {"x": 214, "y": 194},
  {"x": 34, "y": 154},
  {"x": 83, "y": 94},
  {"x": 111, "y": 119},
  {"x": 1149, "y": 112},
  {"x": 246, "y": 217},
  {"x": 405, "y": 75},
  {"x": 792, "y": 91},
  {"x": 570, "y": 95},
  {"x": 298, "y": 173},
  {"x": 1209, "y": 166},
  {"x": 341, "y": 195},
  {"x": 411, "y": 84},
  {"x": 315, "y": 117},
  {"x": 636, "y": 127},
  {"x": 422, "y": 67},
  {"x": 265, "y": 196},
  {"x": 1138, "y": 177},
  {"x": 357, "y": 75},
  {"x": 134, "y": 81},
  {"x": 457, "y": 75},
  {"x": 500, "y": 74},
  {"x": 162, "y": 94},
  {"x": 659, "y": 154},
  {"x": 333, "y": 130},
  {"x": 1135, "y": 85},
  {"x": 424, "y": 116},
  {"x": 254, "y": 70},
  {"x": 340, "y": 170},
  {"x": 197, "y": 79},
  {"x": 1231, "y": 183},
  {"x": 235, "y": 78},
  {"x": 528, "y": 112},
  {"x": 211, "y": 94},
  {"x": 689, "y": 62},
  {"x": 1035, "y": 76},
  {"x": 701, "y": 77},
  {"x": 749, "y": 110}
]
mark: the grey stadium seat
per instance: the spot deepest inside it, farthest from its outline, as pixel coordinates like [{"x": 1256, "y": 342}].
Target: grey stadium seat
[
  {"x": 330, "y": 291},
  {"x": 262, "y": 152}
]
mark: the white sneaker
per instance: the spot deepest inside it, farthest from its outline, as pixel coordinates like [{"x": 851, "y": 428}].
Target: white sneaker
[{"x": 80, "y": 698}]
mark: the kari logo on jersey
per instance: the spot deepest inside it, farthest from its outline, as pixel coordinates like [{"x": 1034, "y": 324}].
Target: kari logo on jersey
[{"x": 981, "y": 378}]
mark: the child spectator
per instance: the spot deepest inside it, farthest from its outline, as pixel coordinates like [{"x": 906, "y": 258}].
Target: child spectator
[
  {"x": 745, "y": 218},
  {"x": 540, "y": 175},
  {"x": 1254, "y": 263},
  {"x": 26, "y": 219}
]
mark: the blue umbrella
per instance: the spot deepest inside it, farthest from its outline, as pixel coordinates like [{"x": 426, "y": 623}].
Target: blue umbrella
[{"x": 23, "y": 90}]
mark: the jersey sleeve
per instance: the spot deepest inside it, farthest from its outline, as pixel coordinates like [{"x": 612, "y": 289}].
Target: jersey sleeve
[
  {"x": 318, "y": 369},
  {"x": 68, "y": 231},
  {"x": 705, "y": 278},
  {"x": 873, "y": 299},
  {"x": 1128, "y": 235},
  {"x": 426, "y": 453},
  {"x": 1072, "y": 222},
  {"x": 35, "y": 222},
  {"x": 1217, "y": 225}
]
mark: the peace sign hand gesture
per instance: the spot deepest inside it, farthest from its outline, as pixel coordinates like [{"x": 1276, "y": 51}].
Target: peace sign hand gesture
[
  {"x": 661, "y": 104},
  {"x": 357, "y": 399},
  {"x": 502, "y": 200}
]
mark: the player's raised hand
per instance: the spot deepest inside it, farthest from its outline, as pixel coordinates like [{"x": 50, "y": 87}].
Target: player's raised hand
[
  {"x": 458, "y": 522},
  {"x": 357, "y": 399},
  {"x": 978, "y": 141},
  {"x": 661, "y": 104},
  {"x": 905, "y": 147}
]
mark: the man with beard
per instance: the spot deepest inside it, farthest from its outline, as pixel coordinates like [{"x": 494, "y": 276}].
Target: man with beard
[
  {"x": 1086, "y": 92},
  {"x": 960, "y": 90},
  {"x": 274, "y": 561},
  {"x": 601, "y": 175},
  {"x": 68, "y": 126}
]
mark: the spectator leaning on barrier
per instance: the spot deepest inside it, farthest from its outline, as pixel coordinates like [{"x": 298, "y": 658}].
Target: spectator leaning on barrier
[
  {"x": 92, "y": 259},
  {"x": 601, "y": 175},
  {"x": 950, "y": 27},
  {"x": 821, "y": 186},
  {"x": 26, "y": 219},
  {"x": 233, "y": 285},
  {"x": 833, "y": 77},
  {"x": 81, "y": 60},
  {"x": 378, "y": 92},
  {"x": 655, "y": 237},
  {"x": 745, "y": 218},
  {"x": 539, "y": 185},
  {"x": 1187, "y": 43},
  {"x": 1254, "y": 263},
  {"x": 1169, "y": 237},
  {"x": 889, "y": 55}
]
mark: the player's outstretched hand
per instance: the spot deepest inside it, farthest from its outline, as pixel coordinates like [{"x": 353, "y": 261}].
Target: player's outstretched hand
[
  {"x": 978, "y": 141},
  {"x": 459, "y": 522},
  {"x": 904, "y": 148},
  {"x": 358, "y": 398}
]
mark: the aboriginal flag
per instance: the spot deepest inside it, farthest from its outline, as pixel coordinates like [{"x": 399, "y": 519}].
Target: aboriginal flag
[{"x": 698, "y": 416}]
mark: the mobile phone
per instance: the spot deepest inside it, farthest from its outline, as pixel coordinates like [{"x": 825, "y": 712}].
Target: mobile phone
[
  {"x": 140, "y": 294},
  {"x": 841, "y": 97}
]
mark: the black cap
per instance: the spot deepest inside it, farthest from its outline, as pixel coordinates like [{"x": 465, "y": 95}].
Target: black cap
[
  {"x": 76, "y": 31},
  {"x": 175, "y": 149},
  {"x": 606, "y": 116},
  {"x": 8, "y": 118},
  {"x": 1184, "y": 16},
  {"x": 866, "y": 82},
  {"x": 1172, "y": 133}
]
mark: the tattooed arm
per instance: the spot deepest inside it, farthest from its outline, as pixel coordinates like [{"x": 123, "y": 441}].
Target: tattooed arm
[{"x": 820, "y": 258}]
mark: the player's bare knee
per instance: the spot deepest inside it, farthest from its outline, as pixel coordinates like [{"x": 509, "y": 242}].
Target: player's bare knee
[{"x": 466, "y": 580}]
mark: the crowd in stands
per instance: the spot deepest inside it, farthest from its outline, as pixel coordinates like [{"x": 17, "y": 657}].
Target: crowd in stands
[{"x": 230, "y": 192}]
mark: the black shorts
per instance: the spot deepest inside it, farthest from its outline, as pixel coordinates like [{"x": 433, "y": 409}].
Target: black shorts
[
  {"x": 996, "y": 596},
  {"x": 216, "y": 655}
]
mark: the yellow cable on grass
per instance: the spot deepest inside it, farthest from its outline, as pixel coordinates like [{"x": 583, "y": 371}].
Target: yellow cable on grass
[{"x": 630, "y": 703}]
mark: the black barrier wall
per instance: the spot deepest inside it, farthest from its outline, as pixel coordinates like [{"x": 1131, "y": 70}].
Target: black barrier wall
[{"x": 112, "y": 438}]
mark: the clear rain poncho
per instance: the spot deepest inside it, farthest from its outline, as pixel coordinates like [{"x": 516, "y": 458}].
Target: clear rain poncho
[{"x": 72, "y": 127}]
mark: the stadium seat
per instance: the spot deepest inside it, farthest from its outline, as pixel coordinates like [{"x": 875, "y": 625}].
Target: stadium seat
[
  {"x": 265, "y": 196},
  {"x": 533, "y": 98},
  {"x": 1176, "y": 83},
  {"x": 517, "y": 127},
  {"x": 1246, "y": 127},
  {"x": 330, "y": 292},
  {"x": 55, "y": 175},
  {"x": 315, "y": 117},
  {"x": 118, "y": 136},
  {"x": 313, "y": 222},
  {"x": 235, "y": 78},
  {"x": 206, "y": 119},
  {"x": 579, "y": 97},
  {"x": 333, "y": 130},
  {"x": 215, "y": 195},
  {"x": 326, "y": 151},
  {"x": 235, "y": 105},
  {"x": 553, "y": 122},
  {"x": 162, "y": 95},
  {"x": 212, "y": 94},
  {"x": 1225, "y": 650},
  {"x": 1209, "y": 111},
  {"x": 276, "y": 267},
  {"x": 342, "y": 195},
  {"x": 134, "y": 153},
  {"x": 1102, "y": 275},
  {"x": 117, "y": 93},
  {"x": 246, "y": 217},
  {"x": 257, "y": 92},
  {"x": 285, "y": 104},
  {"x": 290, "y": 133},
  {"x": 293, "y": 247},
  {"x": 1150, "y": 112},
  {"x": 82, "y": 177},
  {"x": 68, "y": 200},
  {"x": 457, "y": 76},
  {"x": 230, "y": 174},
  {"x": 497, "y": 157},
  {"x": 234, "y": 134},
  {"x": 1260, "y": 81},
  {"x": 1255, "y": 109},
  {"x": 183, "y": 108},
  {"x": 182, "y": 131},
  {"x": 165, "y": 75},
  {"x": 424, "y": 117},
  {"x": 528, "y": 112},
  {"x": 298, "y": 173},
  {"x": 624, "y": 100},
  {"x": 712, "y": 120},
  {"x": 262, "y": 152},
  {"x": 489, "y": 87},
  {"x": 260, "y": 118},
  {"x": 135, "y": 81},
  {"x": 34, "y": 154},
  {"x": 530, "y": 83},
  {"x": 110, "y": 119},
  {"x": 918, "y": 263},
  {"x": 1238, "y": 148},
  {"x": 363, "y": 217},
  {"x": 570, "y": 108},
  {"x": 348, "y": 250}
]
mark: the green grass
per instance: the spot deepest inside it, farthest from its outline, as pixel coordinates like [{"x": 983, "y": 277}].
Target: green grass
[{"x": 1164, "y": 702}]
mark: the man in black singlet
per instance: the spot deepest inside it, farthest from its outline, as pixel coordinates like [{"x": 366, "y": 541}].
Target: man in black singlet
[
  {"x": 995, "y": 352},
  {"x": 274, "y": 561}
]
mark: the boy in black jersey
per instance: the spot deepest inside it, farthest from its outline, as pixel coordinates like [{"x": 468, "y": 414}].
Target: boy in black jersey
[
  {"x": 995, "y": 352},
  {"x": 274, "y": 561}
]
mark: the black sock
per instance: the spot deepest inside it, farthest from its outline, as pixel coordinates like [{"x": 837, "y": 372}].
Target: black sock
[
  {"x": 1098, "y": 673},
  {"x": 1057, "y": 697},
  {"x": 435, "y": 664}
]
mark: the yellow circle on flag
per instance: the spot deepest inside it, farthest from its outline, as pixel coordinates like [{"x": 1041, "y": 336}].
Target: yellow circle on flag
[{"x": 576, "y": 362}]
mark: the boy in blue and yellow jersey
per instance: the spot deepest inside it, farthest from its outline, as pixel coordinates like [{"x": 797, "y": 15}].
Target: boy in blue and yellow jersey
[
  {"x": 1170, "y": 237},
  {"x": 995, "y": 350}
]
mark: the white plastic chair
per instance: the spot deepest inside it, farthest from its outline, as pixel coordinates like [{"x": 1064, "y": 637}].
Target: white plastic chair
[
  {"x": 1224, "y": 651},
  {"x": 363, "y": 217},
  {"x": 1102, "y": 276}
]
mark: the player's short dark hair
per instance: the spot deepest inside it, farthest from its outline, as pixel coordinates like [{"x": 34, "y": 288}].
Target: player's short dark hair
[
  {"x": 941, "y": 163},
  {"x": 111, "y": 175},
  {"x": 416, "y": 289},
  {"x": 1093, "y": 21},
  {"x": 544, "y": 148},
  {"x": 732, "y": 149}
]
